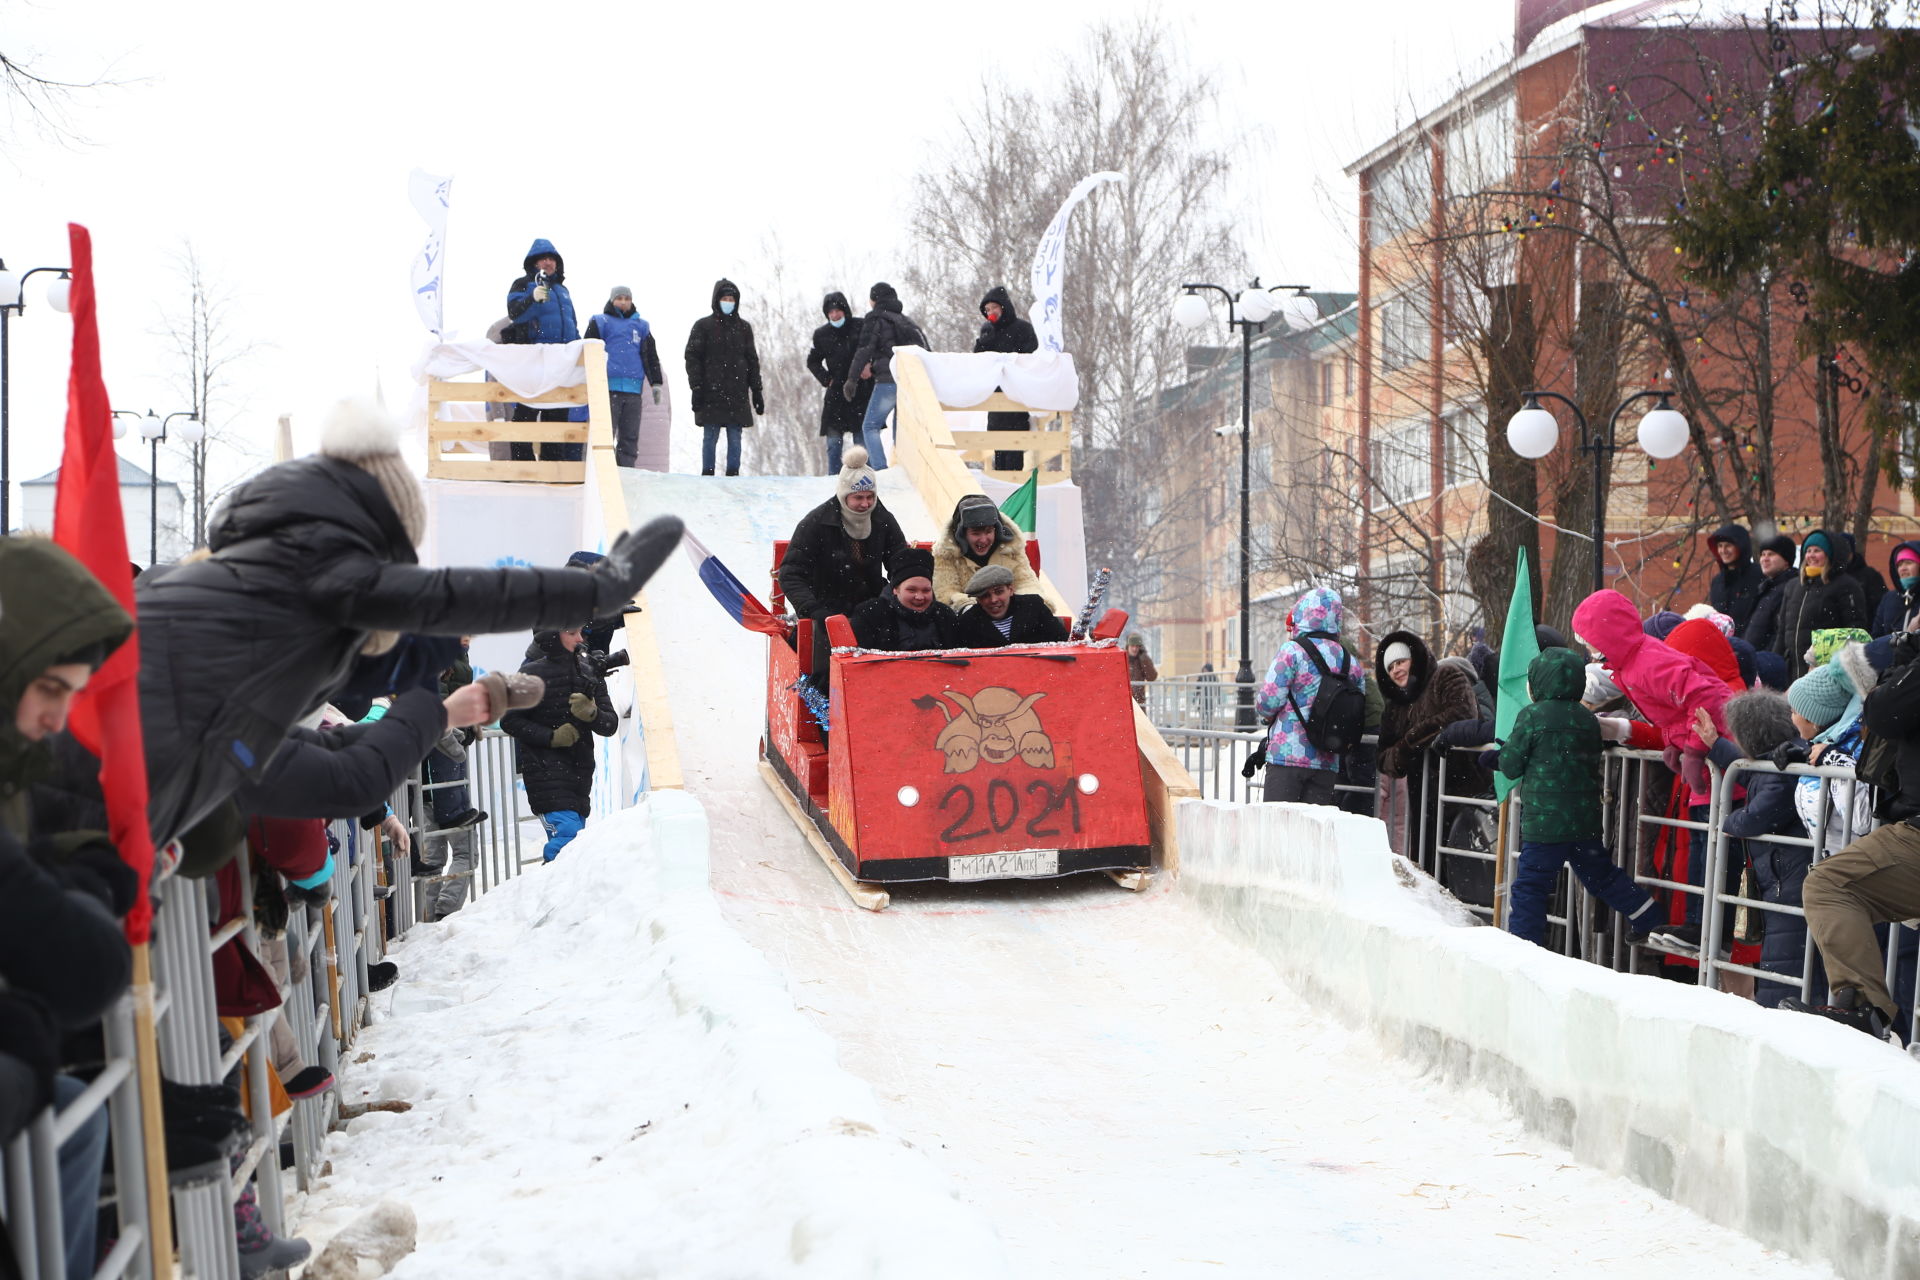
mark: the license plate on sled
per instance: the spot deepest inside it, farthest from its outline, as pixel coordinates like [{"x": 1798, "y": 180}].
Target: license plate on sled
[{"x": 1004, "y": 866}]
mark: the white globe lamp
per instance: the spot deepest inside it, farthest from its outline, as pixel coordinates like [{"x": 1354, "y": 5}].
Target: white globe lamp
[
  {"x": 1299, "y": 311},
  {"x": 1663, "y": 432},
  {"x": 191, "y": 431},
  {"x": 1257, "y": 306},
  {"x": 1532, "y": 432},
  {"x": 9, "y": 288},
  {"x": 60, "y": 293},
  {"x": 151, "y": 428},
  {"x": 1190, "y": 311}
]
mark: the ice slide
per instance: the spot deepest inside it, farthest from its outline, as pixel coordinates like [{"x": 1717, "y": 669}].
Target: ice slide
[{"x": 1119, "y": 1088}]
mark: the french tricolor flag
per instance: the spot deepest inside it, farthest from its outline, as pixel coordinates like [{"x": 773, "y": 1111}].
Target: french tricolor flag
[{"x": 730, "y": 592}]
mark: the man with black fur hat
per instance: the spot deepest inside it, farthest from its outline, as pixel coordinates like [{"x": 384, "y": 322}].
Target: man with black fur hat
[
  {"x": 999, "y": 616},
  {"x": 905, "y": 617}
]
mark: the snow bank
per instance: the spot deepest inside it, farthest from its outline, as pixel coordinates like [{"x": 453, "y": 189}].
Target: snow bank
[
  {"x": 1799, "y": 1132},
  {"x": 604, "y": 1080}
]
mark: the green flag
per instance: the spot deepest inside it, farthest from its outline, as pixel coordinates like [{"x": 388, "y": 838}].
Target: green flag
[
  {"x": 1020, "y": 503},
  {"x": 1519, "y": 646}
]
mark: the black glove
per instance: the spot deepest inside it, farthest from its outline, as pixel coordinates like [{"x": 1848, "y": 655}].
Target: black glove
[
  {"x": 315, "y": 896},
  {"x": 633, "y": 558},
  {"x": 759, "y": 404},
  {"x": 27, "y": 1033},
  {"x": 97, "y": 867},
  {"x": 1490, "y": 759},
  {"x": 1256, "y": 760},
  {"x": 1790, "y": 752}
]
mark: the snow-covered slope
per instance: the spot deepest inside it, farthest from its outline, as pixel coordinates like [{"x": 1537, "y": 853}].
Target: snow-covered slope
[{"x": 1121, "y": 1089}]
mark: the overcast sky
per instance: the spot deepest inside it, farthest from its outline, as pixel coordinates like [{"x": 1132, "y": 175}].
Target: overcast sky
[{"x": 656, "y": 145}]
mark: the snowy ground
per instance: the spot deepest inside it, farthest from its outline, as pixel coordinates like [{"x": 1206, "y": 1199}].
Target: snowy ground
[
  {"x": 603, "y": 1082},
  {"x": 1120, "y": 1089}
]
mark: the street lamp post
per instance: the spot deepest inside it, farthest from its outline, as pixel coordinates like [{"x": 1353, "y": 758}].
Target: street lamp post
[
  {"x": 13, "y": 301},
  {"x": 1532, "y": 432},
  {"x": 1248, "y": 311},
  {"x": 153, "y": 428}
]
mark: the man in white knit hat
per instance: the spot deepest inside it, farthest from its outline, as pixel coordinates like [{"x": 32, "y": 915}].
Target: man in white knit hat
[{"x": 837, "y": 558}]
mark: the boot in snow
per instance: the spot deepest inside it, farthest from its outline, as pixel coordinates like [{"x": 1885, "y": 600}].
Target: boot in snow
[{"x": 1850, "y": 1009}]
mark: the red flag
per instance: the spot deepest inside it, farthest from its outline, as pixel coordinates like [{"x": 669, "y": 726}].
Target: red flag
[{"x": 89, "y": 522}]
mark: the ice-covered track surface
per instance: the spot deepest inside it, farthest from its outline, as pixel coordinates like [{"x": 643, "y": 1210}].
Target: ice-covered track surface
[{"x": 1120, "y": 1088}]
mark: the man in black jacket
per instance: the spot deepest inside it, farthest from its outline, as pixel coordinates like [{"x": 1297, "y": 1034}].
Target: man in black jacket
[
  {"x": 885, "y": 327},
  {"x": 905, "y": 617},
  {"x": 1003, "y": 330},
  {"x": 723, "y": 375},
  {"x": 1776, "y": 567},
  {"x": 829, "y": 361},
  {"x": 998, "y": 616},
  {"x": 1736, "y": 586},
  {"x": 552, "y": 741},
  {"x": 1854, "y": 565},
  {"x": 313, "y": 565},
  {"x": 837, "y": 555}
]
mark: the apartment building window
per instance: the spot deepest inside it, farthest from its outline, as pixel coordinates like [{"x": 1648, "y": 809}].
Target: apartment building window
[
  {"x": 1348, "y": 362},
  {"x": 1326, "y": 382},
  {"x": 1402, "y": 194},
  {"x": 1404, "y": 332},
  {"x": 1478, "y": 147},
  {"x": 1465, "y": 437},
  {"x": 1400, "y": 462}
]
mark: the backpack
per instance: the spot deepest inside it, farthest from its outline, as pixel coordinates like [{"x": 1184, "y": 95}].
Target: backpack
[{"x": 1338, "y": 718}]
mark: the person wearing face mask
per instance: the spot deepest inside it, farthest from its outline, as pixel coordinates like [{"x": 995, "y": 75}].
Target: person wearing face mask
[
  {"x": 1819, "y": 599},
  {"x": 837, "y": 553},
  {"x": 1900, "y": 608},
  {"x": 1002, "y": 329},
  {"x": 723, "y": 376},
  {"x": 829, "y": 361},
  {"x": 633, "y": 363}
]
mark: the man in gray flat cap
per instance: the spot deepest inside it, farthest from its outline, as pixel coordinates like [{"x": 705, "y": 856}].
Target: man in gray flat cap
[{"x": 998, "y": 616}]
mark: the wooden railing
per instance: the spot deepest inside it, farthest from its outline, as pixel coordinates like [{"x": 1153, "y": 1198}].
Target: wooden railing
[
  {"x": 461, "y": 464},
  {"x": 1048, "y": 444}
]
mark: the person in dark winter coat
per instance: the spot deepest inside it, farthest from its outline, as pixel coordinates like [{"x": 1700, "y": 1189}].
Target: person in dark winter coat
[
  {"x": 905, "y": 617},
  {"x": 837, "y": 556},
  {"x": 886, "y": 326},
  {"x": 723, "y": 376},
  {"x": 541, "y": 310},
  {"x": 1776, "y": 568},
  {"x": 1819, "y": 599},
  {"x": 999, "y": 616},
  {"x": 1760, "y": 727},
  {"x": 1900, "y": 608},
  {"x": 1003, "y": 330},
  {"x": 1736, "y": 587},
  {"x": 633, "y": 364},
  {"x": 1855, "y": 566},
  {"x": 312, "y": 565},
  {"x": 553, "y": 742},
  {"x": 1423, "y": 697},
  {"x": 830, "y": 361},
  {"x": 1554, "y": 752},
  {"x": 1479, "y": 730}
]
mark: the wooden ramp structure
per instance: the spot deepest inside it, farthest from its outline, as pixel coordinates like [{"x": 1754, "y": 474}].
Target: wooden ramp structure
[{"x": 448, "y": 458}]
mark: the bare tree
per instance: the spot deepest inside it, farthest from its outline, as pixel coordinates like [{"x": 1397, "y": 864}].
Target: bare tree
[
  {"x": 31, "y": 101},
  {"x": 1126, "y": 100},
  {"x": 206, "y": 342}
]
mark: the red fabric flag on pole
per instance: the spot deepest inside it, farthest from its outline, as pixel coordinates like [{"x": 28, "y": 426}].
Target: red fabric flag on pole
[{"x": 89, "y": 522}]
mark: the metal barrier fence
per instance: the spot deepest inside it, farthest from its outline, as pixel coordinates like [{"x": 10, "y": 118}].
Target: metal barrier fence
[
  {"x": 324, "y": 985},
  {"x": 1453, "y": 832}
]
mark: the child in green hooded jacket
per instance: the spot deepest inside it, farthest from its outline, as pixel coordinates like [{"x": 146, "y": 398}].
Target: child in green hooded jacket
[{"x": 1554, "y": 752}]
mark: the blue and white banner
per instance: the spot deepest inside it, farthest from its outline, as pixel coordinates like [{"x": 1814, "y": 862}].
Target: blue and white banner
[
  {"x": 1049, "y": 264},
  {"x": 430, "y": 195}
]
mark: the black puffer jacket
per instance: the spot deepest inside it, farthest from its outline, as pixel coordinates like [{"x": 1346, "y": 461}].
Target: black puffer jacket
[
  {"x": 1809, "y": 604},
  {"x": 348, "y": 769},
  {"x": 886, "y": 326},
  {"x": 559, "y": 777},
  {"x": 1033, "y": 623},
  {"x": 1735, "y": 589},
  {"x": 308, "y": 558},
  {"x": 885, "y": 623},
  {"x": 1010, "y": 334},
  {"x": 830, "y": 360},
  {"x": 826, "y": 571},
  {"x": 1763, "y": 624},
  {"x": 723, "y": 367}
]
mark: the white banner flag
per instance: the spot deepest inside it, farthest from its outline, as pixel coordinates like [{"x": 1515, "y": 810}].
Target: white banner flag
[
  {"x": 430, "y": 195},
  {"x": 1049, "y": 264}
]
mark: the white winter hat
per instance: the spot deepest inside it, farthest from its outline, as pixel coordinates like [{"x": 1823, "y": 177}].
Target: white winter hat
[
  {"x": 363, "y": 434},
  {"x": 855, "y": 475},
  {"x": 1395, "y": 652}
]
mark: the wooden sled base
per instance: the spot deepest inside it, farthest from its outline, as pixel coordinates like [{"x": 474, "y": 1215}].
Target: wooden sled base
[
  {"x": 863, "y": 895},
  {"x": 1134, "y": 880}
]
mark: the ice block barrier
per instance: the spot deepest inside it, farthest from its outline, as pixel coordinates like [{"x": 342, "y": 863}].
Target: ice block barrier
[{"x": 1801, "y": 1133}]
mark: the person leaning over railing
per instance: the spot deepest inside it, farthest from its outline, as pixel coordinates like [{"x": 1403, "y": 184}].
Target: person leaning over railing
[
  {"x": 1875, "y": 879},
  {"x": 1554, "y": 751},
  {"x": 1422, "y": 699}
]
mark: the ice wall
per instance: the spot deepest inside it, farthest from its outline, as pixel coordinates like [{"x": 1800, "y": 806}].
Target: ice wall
[{"x": 1799, "y": 1132}]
